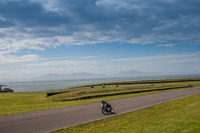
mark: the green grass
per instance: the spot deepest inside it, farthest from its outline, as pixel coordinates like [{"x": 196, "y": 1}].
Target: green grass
[
  {"x": 178, "y": 116},
  {"x": 12, "y": 103},
  {"x": 108, "y": 91}
]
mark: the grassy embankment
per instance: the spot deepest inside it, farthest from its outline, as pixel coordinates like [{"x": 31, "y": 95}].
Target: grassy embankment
[
  {"x": 11, "y": 103},
  {"x": 110, "y": 91},
  {"x": 178, "y": 116}
]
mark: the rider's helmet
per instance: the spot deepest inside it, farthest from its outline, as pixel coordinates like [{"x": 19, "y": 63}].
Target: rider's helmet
[{"x": 102, "y": 100}]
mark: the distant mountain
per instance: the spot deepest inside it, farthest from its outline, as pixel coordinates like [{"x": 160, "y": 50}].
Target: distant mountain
[
  {"x": 133, "y": 73},
  {"x": 82, "y": 75},
  {"x": 86, "y": 75}
]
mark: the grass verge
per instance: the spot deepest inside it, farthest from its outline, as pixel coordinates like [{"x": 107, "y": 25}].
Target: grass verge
[{"x": 178, "y": 116}]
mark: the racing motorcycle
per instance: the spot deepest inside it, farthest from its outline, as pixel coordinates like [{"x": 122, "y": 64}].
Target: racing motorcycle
[{"x": 106, "y": 108}]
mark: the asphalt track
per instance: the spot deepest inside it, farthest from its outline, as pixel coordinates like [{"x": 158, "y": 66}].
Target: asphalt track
[{"x": 53, "y": 119}]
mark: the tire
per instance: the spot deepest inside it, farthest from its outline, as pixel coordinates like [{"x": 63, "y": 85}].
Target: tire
[
  {"x": 111, "y": 110},
  {"x": 104, "y": 111}
]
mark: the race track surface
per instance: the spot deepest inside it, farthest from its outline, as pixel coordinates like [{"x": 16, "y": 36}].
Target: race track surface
[{"x": 53, "y": 119}]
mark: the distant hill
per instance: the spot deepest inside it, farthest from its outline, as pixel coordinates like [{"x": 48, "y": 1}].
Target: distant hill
[
  {"x": 82, "y": 75},
  {"x": 133, "y": 73},
  {"x": 86, "y": 75}
]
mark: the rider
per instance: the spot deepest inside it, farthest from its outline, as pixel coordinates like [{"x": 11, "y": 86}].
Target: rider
[
  {"x": 105, "y": 104},
  {"x": 106, "y": 107}
]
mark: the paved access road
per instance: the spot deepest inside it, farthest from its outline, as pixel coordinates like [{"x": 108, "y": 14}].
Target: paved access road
[{"x": 53, "y": 119}]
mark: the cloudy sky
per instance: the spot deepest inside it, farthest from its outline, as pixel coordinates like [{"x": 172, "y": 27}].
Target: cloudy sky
[{"x": 38, "y": 37}]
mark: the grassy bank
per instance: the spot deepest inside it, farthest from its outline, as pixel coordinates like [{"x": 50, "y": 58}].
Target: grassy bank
[
  {"x": 177, "y": 116},
  {"x": 12, "y": 103},
  {"x": 111, "y": 91}
]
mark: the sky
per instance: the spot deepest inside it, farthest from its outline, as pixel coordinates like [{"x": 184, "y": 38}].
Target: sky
[{"x": 39, "y": 37}]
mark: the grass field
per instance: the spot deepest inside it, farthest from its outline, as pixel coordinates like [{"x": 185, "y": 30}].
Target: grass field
[
  {"x": 12, "y": 103},
  {"x": 178, "y": 116}
]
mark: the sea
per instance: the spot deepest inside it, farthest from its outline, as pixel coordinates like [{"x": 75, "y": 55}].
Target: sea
[{"x": 49, "y": 85}]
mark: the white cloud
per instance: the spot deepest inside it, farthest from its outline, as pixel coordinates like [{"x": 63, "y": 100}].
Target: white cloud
[
  {"x": 15, "y": 45},
  {"x": 7, "y": 59},
  {"x": 118, "y": 4},
  {"x": 159, "y": 57},
  {"x": 87, "y": 57},
  {"x": 58, "y": 63},
  {"x": 166, "y": 45}
]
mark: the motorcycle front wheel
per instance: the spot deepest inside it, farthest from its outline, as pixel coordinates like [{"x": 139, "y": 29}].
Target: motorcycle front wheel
[{"x": 104, "y": 111}]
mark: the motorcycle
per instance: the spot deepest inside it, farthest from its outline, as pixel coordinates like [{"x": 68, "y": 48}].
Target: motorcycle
[{"x": 107, "y": 109}]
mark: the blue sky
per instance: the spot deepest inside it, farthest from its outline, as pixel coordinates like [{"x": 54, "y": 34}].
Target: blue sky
[{"x": 38, "y": 37}]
